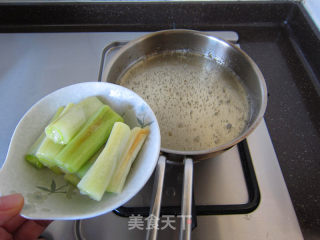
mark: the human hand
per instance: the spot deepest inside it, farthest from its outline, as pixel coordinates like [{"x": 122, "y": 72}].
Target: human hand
[{"x": 12, "y": 225}]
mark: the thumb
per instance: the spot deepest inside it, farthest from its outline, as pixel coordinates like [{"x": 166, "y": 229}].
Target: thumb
[{"x": 10, "y": 206}]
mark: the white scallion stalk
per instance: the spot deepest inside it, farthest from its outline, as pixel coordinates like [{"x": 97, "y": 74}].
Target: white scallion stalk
[
  {"x": 88, "y": 141},
  {"x": 96, "y": 180},
  {"x": 48, "y": 149},
  {"x": 63, "y": 129},
  {"x": 120, "y": 174}
]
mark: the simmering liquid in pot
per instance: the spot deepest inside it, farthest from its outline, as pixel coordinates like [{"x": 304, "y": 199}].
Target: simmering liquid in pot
[{"x": 199, "y": 103}]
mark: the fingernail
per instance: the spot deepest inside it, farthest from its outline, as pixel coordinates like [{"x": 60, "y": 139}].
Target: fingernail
[{"x": 11, "y": 201}]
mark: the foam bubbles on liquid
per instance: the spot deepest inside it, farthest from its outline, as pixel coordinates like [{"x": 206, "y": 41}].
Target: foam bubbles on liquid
[{"x": 199, "y": 103}]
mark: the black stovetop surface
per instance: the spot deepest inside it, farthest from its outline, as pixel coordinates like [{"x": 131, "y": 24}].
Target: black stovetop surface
[{"x": 279, "y": 36}]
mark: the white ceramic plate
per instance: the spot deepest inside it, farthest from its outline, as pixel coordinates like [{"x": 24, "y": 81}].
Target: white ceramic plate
[{"x": 61, "y": 201}]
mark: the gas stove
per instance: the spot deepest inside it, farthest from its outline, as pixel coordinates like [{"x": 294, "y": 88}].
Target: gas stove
[
  {"x": 240, "y": 194},
  {"x": 218, "y": 181}
]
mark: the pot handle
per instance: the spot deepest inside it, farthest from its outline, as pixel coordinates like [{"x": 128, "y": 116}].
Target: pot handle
[
  {"x": 105, "y": 52},
  {"x": 152, "y": 228},
  {"x": 186, "y": 217}
]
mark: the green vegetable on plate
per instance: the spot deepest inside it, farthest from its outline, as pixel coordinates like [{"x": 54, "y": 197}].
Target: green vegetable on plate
[
  {"x": 63, "y": 129},
  {"x": 96, "y": 157},
  {"x": 88, "y": 141},
  {"x": 48, "y": 149}
]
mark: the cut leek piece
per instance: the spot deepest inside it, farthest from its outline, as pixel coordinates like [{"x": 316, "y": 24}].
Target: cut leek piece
[
  {"x": 31, "y": 155},
  {"x": 82, "y": 171},
  {"x": 135, "y": 143},
  {"x": 63, "y": 129},
  {"x": 90, "y": 106},
  {"x": 72, "y": 178},
  {"x": 96, "y": 180},
  {"x": 88, "y": 141},
  {"x": 48, "y": 149}
]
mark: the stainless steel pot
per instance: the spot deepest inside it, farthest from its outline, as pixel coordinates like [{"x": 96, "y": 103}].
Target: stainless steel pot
[{"x": 208, "y": 46}]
